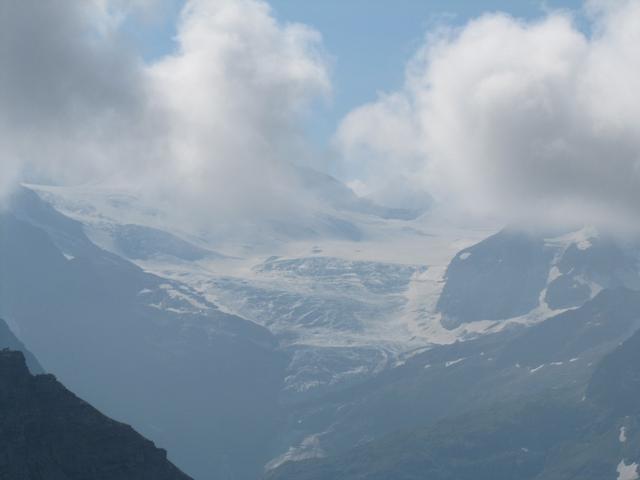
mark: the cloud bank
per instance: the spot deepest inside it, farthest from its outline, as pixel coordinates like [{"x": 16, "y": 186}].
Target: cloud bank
[
  {"x": 213, "y": 127},
  {"x": 526, "y": 121}
]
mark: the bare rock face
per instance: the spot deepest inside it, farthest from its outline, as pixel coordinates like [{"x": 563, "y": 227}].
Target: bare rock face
[
  {"x": 47, "y": 433},
  {"x": 10, "y": 341}
]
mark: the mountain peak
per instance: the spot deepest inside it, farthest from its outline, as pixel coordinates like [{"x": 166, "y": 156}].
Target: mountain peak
[{"x": 13, "y": 366}]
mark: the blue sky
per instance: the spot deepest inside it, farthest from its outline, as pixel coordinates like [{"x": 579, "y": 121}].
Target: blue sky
[{"x": 369, "y": 41}]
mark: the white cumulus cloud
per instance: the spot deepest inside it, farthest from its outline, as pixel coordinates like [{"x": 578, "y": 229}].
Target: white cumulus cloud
[
  {"x": 532, "y": 121},
  {"x": 213, "y": 127}
]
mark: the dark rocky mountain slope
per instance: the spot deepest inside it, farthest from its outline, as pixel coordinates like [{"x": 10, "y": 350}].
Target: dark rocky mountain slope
[
  {"x": 47, "y": 433},
  {"x": 9, "y": 341}
]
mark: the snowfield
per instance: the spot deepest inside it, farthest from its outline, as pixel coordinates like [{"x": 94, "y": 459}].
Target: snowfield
[{"x": 344, "y": 309}]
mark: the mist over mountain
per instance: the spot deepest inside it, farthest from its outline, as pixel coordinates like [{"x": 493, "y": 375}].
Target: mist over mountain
[
  {"x": 197, "y": 379},
  {"x": 328, "y": 339}
]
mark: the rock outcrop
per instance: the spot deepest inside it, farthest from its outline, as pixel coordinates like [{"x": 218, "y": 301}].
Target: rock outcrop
[{"x": 47, "y": 433}]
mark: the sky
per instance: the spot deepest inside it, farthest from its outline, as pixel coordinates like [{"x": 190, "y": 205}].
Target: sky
[
  {"x": 369, "y": 41},
  {"x": 372, "y": 40},
  {"x": 527, "y": 114}
]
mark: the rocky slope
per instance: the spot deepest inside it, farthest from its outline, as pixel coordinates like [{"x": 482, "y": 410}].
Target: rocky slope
[
  {"x": 148, "y": 351},
  {"x": 467, "y": 406},
  {"x": 47, "y": 433},
  {"x": 586, "y": 432},
  {"x": 9, "y": 341},
  {"x": 518, "y": 274}
]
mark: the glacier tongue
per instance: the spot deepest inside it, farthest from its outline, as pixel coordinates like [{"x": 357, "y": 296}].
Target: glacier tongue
[{"x": 349, "y": 306}]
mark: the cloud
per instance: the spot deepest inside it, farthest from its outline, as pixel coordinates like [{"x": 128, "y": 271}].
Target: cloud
[
  {"x": 65, "y": 80},
  {"x": 380, "y": 142},
  {"x": 234, "y": 94},
  {"x": 530, "y": 121},
  {"x": 214, "y": 126}
]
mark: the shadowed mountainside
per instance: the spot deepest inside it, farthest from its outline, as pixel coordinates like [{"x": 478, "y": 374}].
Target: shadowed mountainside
[{"x": 47, "y": 433}]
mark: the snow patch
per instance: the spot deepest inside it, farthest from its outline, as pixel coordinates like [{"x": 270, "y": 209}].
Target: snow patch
[
  {"x": 622, "y": 436},
  {"x": 454, "y": 362},
  {"x": 554, "y": 273},
  {"x": 177, "y": 295},
  {"x": 627, "y": 472},
  {"x": 582, "y": 239},
  {"x": 584, "y": 244},
  {"x": 308, "y": 448}
]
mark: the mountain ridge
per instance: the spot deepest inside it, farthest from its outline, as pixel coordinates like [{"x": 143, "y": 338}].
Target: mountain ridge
[{"x": 50, "y": 434}]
